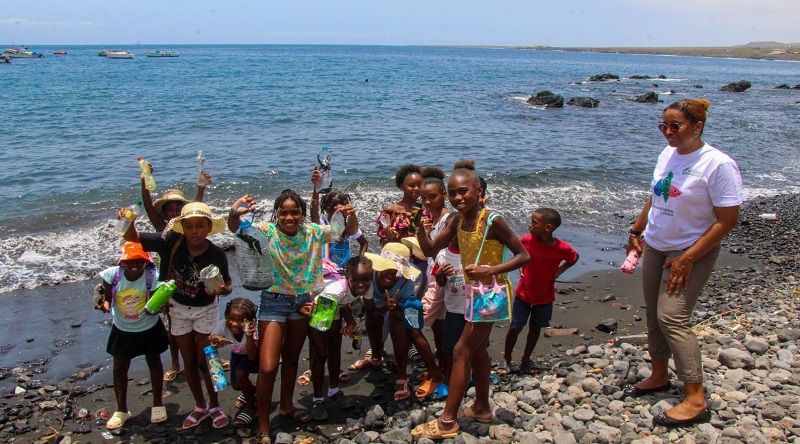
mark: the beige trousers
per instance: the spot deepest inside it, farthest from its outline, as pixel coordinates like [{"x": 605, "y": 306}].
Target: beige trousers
[{"x": 669, "y": 332}]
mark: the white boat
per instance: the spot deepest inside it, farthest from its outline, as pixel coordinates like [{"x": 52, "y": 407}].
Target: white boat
[
  {"x": 119, "y": 55},
  {"x": 162, "y": 54},
  {"x": 21, "y": 53},
  {"x": 104, "y": 52}
]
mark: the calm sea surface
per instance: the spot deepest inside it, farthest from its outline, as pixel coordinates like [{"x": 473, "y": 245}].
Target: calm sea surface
[{"x": 72, "y": 127}]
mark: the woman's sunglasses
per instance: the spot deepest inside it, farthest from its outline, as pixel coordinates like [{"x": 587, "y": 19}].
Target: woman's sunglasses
[{"x": 672, "y": 126}]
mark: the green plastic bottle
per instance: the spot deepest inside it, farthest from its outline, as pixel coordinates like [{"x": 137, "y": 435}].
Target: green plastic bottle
[
  {"x": 324, "y": 312},
  {"x": 160, "y": 297}
]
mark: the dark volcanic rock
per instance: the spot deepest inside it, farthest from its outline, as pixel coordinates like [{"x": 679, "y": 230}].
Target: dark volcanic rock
[
  {"x": 639, "y": 77},
  {"x": 739, "y": 86},
  {"x": 547, "y": 100},
  {"x": 796, "y": 86},
  {"x": 783, "y": 86},
  {"x": 603, "y": 77},
  {"x": 650, "y": 97},
  {"x": 697, "y": 86},
  {"x": 585, "y": 102},
  {"x": 662, "y": 77}
]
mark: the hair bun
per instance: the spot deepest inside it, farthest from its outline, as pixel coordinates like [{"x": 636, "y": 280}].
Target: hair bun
[
  {"x": 467, "y": 164},
  {"x": 433, "y": 172},
  {"x": 703, "y": 103}
]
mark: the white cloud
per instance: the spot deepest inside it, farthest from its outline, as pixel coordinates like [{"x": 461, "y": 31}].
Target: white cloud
[{"x": 45, "y": 23}]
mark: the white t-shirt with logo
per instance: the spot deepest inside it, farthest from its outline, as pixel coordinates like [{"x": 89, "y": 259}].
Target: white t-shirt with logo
[{"x": 685, "y": 189}]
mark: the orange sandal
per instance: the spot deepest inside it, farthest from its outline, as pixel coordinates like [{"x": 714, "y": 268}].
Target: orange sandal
[{"x": 425, "y": 389}]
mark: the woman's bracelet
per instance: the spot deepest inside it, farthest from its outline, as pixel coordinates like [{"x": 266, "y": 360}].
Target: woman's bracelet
[{"x": 634, "y": 233}]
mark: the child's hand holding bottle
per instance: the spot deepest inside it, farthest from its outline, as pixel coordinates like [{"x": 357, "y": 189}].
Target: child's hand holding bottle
[
  {"x": 203, "y": 179},
  {"x": 249, "y": 328},
  {"x": 307, "y": 309},
  {"x": 316, "y": 179}
]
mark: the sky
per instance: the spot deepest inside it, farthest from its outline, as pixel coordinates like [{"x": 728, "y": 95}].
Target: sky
[{"x": 401, "y": 22}]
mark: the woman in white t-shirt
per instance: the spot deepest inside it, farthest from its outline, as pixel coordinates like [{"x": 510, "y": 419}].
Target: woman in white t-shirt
[{"x": 693, "y": 204}]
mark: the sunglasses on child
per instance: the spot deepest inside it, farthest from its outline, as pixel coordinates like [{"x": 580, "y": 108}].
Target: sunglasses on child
[{"x": 672, "y": 126}]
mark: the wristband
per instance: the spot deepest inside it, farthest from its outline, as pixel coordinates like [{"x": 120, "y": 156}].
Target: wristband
[{"x": 634, "y": 233}]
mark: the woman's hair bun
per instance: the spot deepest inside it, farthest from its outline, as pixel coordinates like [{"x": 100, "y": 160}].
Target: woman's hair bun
[{"x": 704, "y": 103}]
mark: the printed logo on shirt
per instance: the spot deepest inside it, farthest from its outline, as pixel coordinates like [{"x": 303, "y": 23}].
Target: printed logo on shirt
[
  {"x": 665, "y": 188},
  {"x": 688, "y": 171},
  {"x": 130, "y": 303}
]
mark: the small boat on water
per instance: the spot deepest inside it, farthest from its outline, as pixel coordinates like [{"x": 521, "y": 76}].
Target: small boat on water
[
  {"x": 119, "y": 55},
  {"x": 21, "y": 53},
  {"x": 104, "y": 52},
  {"x": 60, "y": 52},
  {"x": 162, "y": 54}
]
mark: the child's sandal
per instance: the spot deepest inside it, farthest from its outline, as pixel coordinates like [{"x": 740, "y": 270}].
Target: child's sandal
[
  {"x": 304, "y": 379},
  {"x": 158, "y": 414},
  {"x": 218, "y": 418},
  {"x": 117, "y": 420},
  {"x": 432, "y": 431},
  {"x": 242, "y": 419},
  {"x": 241, "y": 402},
  {"x": 193, "y": 419},
  {"x": 402, "y": 393},
  {"x": 425, "y": 389}
]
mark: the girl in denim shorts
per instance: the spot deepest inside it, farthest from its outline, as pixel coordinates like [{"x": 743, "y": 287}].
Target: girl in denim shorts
[{"x": 295, "y": 248}]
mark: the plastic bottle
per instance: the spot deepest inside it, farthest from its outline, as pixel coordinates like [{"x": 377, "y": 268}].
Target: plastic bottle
[
  {"x": 324, "y": 167},
  {"x": 160, "y": 297},
  {"x": 324, "y": 312},
  {"x": 128, "y": 216},
  {"x": 629, "y": 266},
  {"x": 218, "y": 378},
  {"x": 200, "y": 162},
  {"x": 337, "y": 226},
  {"x": 149, "y": 182}
]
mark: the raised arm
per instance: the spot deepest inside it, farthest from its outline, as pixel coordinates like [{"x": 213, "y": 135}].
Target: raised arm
[
  {"x": 316, "y": 181},
  {"x": 203, "y": 181},
  {"x": 147, "y": 202},
  {"x": 241, "y": 206},
  {"x": 432, "y": 246}
]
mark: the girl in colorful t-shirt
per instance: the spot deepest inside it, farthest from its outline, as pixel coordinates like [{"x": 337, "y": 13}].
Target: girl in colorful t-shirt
[{"x": 295, "y": 248}]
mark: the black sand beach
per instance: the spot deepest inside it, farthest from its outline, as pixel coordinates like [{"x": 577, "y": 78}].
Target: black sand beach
[{"x": 53, "y": 346}]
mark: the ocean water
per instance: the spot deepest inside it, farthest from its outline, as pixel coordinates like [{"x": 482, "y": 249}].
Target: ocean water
[{"x": 73, "y": 126}]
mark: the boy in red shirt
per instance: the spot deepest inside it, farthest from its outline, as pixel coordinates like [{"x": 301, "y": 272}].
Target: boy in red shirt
[{"x": 536, "y": 290}]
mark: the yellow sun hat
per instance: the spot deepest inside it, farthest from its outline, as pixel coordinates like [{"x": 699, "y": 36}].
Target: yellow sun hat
[
  {"x": 197, "y": 209},
  {"x": 394, "y": 256}
]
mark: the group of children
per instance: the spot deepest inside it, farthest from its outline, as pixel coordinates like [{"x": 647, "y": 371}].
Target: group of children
[{"x": 432, "y": 267}]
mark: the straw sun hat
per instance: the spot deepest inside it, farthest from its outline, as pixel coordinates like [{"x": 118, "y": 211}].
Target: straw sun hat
[
  {"x": 394, "y": 256},
  {"x": 197, "y": 209},
  {"x": 171, "y": 195}
]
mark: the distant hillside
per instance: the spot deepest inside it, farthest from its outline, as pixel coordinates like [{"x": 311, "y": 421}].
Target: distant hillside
[{"x": 767, "y": 45}]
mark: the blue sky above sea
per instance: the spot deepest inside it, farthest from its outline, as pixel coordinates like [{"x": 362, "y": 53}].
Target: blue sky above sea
[{"x": 412, "y": 22}]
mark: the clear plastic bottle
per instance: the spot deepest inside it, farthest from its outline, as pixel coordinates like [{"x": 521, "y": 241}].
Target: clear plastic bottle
[
  {"x": 200, "y": 162},
  {"x": 324, "y": 166},
  {"x": 324, "y": 312},
  {"x": 129, "y": 215},
  {"x": 218, "y": 378},
  {"x": 149, "y": 182}
]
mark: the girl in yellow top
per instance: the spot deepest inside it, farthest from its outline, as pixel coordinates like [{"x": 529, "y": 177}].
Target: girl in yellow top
[{"x": 464, "y": 193}]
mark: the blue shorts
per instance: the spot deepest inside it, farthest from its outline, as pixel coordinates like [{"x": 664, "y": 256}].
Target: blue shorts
[
  {"x": 454, "y": 324},
  {"x": 242, "y": 362},
  {"x": 279, "y": 307},
  {"x": 539, "y": 314}
]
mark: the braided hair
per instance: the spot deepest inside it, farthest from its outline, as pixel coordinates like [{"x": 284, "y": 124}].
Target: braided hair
[
  {"x": 246, "y": 306},
  {"x": 288, "y": 194}
]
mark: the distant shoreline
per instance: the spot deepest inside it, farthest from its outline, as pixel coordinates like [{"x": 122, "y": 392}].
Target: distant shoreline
[{"x": 790, "y": 53}]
